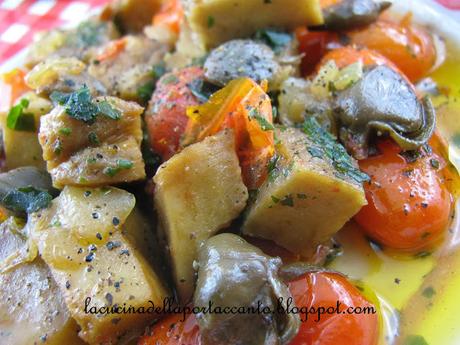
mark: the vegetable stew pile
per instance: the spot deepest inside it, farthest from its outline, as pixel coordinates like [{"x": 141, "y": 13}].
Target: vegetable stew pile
[{"x": 178, "y": 172}]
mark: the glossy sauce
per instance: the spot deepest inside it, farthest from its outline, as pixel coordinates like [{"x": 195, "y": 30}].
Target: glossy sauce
[{"x": 416, "y": 295}]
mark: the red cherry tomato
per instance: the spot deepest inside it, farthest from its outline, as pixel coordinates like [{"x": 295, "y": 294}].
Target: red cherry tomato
[
  {"x": 409, "y": 205},
  {"x": 166, "y": 118},
  {"x": 355, "y": 324}
]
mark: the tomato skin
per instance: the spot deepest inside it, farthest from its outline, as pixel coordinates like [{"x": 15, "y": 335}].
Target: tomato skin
[
  {"x": 166, "y": 118},
  {"x": 313, "y": 45},
  {"x": 409, "y": 47},
  {"x": 174, "y": 331},
  {"x": 317, "y": 289},
  {"x": 348, "y": 55},
  {"x": 409, "y": 205},
  {"x": 324, "y": 290}
]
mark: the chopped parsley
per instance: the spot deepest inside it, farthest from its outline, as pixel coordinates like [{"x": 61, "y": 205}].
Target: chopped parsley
[
  {"x": 66, "y": 131},
  {"x": 277, "y": 40},
  {"x": 81, "y": 106},
  {"x": 201, "y": 89},
  {"x": 145, "y": 91},
  {"x": 89, "y": 34},
  {"x": 122, "y": 164},
  {"x": 26, "y": 200},
  {"x": 19, "y": 120},
  {"x": 428, "y": 292},
  {"x": 288, "y": 200},
  {"x": 326, "y": 147},
  {"x": 211, "y": 21},
  {"x": 93, "y": 138}
]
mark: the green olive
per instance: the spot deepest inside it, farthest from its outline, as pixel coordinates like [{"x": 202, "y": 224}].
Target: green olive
[{"x": 234, "y": 274}]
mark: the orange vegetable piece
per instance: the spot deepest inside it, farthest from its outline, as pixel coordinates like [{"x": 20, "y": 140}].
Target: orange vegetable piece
[
  {"x": 244, "y": 106},
  {"x": 171, "y": 15},
  {"x": 12, "y": 86},
  {"x": 112, "y": 49}
]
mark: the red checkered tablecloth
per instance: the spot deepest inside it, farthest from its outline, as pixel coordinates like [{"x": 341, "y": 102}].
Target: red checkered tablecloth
[{"x": 21, "y": 19}]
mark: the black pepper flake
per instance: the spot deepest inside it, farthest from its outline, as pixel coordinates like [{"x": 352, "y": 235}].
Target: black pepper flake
[
  {"x": 99, "y": 236},
  {"x": 89, "y": 257},
  {"x": 124, "y": 252},
  {"x": 95, "y": 215},
  {"x": 115, "y": 221},
  {"x": 87, "y": 193},
  {"x": 109, "y": 298},
  {"x": 397, "y": 280},
  {"x": 112, "y": 245},
  {"x": 92, "y": 248},
  {"x": 424, "y": 204},
  {"x": 434, "y": 163},
  {"x": 43, "y": 338},
  {"x": 67, "y": 285}
]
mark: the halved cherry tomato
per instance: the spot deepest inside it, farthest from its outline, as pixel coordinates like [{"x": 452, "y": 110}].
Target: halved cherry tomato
[
  {"x": 313, "y": 45},
  {"x": 409, "y": 47},
  {"x": 409, "y": 205},
  {"x": 174, "y": 331},
  {"x": 354, "y": 324},
  {"x": 244, "y": 106},
  {"x": 348, "y": 55},
  {"x": 171, "y": 15},
  {"x": 166, "y": 118},
  {"x": 112, "y": 49},
  {"x": 12, "y": 86}
]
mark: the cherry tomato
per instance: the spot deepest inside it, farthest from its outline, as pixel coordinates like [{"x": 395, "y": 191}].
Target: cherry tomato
[
  {"x": 409, "y": 205},
  {"x": 166, "y": 118},
  {"x": 348, "y": 55},
  {"x": 409, "y": 47},
  {"x": 244, "y": 106},
  {"x": 174, "y": 331},
  {"x": 354, "y": 324},
  {"x": 313, "y": 45}
]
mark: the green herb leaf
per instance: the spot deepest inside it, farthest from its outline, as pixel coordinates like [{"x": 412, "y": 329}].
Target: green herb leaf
[
  {"x": 264, "y": 124},
  {"x": 277, "y": 40},
  {"x": 90, "y": 33},
  {"x": 326, "y": 147},
  {"x": 81, "y": 106},
  {"x": 201, "y": 89},
  {"x": 20, "y": 121},
  {"x": 145, "y": 91},
  {"x": 122, "y": 164},
  {"x": 27, "y": 200},
  {"x": 428, "y": 292},
  {"x": 93, "y": 138},
  {"x": 105, "y": 108},
  {"x": 211, "y": 21}
]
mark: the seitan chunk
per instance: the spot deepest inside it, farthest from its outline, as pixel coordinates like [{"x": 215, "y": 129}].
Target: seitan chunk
[
  {"x": 197, "y": 192},
  {"x": 308, "y": 196}
]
